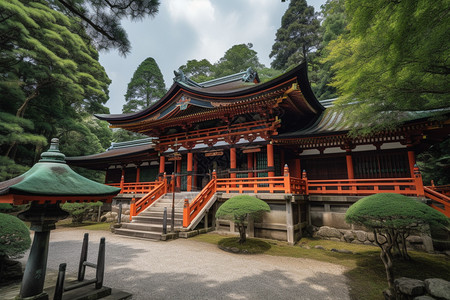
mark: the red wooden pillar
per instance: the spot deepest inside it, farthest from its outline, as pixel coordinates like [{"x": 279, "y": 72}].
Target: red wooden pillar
[
  {"x": 195, "y": 171},
  {"x": 189, "y": 171},
  {"x": 232, "y": 162},
  {"x": 178, "y": 163},
  {"x": 298, "y": 168},
  {"x": 270, "y": 160},
  {"x": 138, "y": 173},
  {"x": 348, "y": 158},
  {"x": 250, "y": 164},
  {"x": 162, "y": 162},
  {"x": 411, "y": 160}
]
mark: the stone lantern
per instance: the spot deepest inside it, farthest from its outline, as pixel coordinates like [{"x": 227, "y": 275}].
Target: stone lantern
[{"x": 49, "y": 183}]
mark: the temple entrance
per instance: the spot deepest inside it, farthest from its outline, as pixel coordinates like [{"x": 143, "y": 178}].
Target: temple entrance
[{"x": 219, "y": 161}]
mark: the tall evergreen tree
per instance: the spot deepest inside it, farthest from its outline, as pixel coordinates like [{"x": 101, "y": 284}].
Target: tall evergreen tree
[
  {"x": 198, "y": 71},
  {"x": 146, "y": 87},
  {"x": 333, "y": 25},
  {"x": 393, "y": 61},
  {"x": 50, "y": 79},
  {"x": 297, "y": 36},
  {"x": 237, "y": 59}
]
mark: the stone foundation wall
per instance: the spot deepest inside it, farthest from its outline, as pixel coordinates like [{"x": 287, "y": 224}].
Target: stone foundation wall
[{"x": 414, "y": 242}]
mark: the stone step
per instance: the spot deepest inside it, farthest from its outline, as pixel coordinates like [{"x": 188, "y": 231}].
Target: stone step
[
  {"x": 154, "y": 221},
  {"x": 139, "y": 233},
  {"x": 143, "y": 227}
]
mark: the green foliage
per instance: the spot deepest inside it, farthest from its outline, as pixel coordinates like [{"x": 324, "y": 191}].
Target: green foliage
[
  {"x": 80, "y": 211},
  {"x": 9, "y": 169},
  {"x": 14, "y": 236},
  {"x": 102, "y": 18},
  {"x": 122, "y": 135},
  {"x": 199, "y": 71},
  {"x": 434, "y": 163},
  {"x": 238, "y": 208},
  {"x": 145, "y": 87},
  {"x": 392, "y": 217},
  {"x": 237, "y": 59},
  {"x": 392, "y": 61},
  {"x": 50, "y": 84},
  {"x": 333, "y": 25},
  {"x": 393, "y": 211},
  {"x": 297, "y": 37}
]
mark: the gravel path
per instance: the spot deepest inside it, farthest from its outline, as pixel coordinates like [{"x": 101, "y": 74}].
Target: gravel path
[{"x": 186, "y": 269}]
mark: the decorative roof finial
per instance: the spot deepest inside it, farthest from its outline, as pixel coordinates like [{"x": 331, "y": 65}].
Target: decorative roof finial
[{"x": 53, "y": 154}]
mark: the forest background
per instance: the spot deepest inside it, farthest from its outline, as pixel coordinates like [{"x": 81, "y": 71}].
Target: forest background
[{"x": 390, "y": 55}]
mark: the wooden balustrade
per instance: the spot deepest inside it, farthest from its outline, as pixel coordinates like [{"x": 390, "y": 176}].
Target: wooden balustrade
[
  {"x": 136, "y": 187},
  {"x": 138, "y": 206},
  {"x": 405, "y": 186},
  {"x": 191, "y": 210},
  {"x": 443, "y": 202}
]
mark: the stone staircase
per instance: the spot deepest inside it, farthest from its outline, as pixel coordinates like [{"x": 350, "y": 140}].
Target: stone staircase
[{"x": 149, "y": 223}]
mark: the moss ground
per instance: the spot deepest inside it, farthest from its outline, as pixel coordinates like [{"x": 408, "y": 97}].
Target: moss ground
[{"x": 365, "y": 271}]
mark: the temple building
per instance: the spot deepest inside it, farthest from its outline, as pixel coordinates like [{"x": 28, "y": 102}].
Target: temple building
[{"x": 274, "y": 140}]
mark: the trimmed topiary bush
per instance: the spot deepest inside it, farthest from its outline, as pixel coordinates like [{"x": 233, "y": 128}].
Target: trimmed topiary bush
[
  {"x": 238, "y": 208},
  {"x": 14, "y": 241},
  {"x": 392, "y": 217}
]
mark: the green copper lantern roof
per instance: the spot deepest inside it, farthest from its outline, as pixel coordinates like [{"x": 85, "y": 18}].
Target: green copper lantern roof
[{"x": 53, "y": 178}]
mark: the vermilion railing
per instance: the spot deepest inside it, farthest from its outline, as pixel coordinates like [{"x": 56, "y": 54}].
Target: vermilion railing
[
  {"x": 443, "y": 204},
  {"x": 136, "y": 187},
  {"x": 405, "y": 186},
  {"x": 138, "y": 206},
  {"x": 191, "y": 210},
  {"x": 442, "y": 189}
]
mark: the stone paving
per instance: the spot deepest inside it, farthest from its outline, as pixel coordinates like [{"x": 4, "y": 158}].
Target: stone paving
[{"x": 187, "y": 269}]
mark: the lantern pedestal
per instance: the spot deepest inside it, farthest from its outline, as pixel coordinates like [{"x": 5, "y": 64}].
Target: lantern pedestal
[{"x": 43, "y": 218}]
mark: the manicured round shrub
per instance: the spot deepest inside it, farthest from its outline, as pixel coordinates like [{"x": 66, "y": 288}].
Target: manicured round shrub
[
  {"x": 14, "y": 237},
  {"x": 238, "y": 208}
]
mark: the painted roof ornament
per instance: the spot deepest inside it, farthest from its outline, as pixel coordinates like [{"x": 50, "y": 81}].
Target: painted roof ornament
[{"x": 250, "y": 76}]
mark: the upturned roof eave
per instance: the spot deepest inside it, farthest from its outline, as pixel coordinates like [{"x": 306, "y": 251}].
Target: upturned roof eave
[{"x": 300, "y": 72}]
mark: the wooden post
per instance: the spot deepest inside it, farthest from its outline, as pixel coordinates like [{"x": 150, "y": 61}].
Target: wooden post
[
  {"x": 122, "y": 180},
  {"x": 305, "y": 178},
  {"x": 132, "y": 208},
  {"x": 418, "y": 182},
  {"x": 287, "y": 180},
  {"x": 162, "y": 162},
  {"x": 270, "y": 160},
  {"x": 250, "y": 164},
  {"x": 138, "y": 173},
  {"x": 232, "y": 162},
  {"x": 189, "y": 171},
  {"x": 348, "y": 158},
  {"x": 186, "y": 213}
]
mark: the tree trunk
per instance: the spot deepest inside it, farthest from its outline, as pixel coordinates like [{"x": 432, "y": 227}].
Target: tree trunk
[
  {"x": 242, "y": 235},
  {"x": 386, "y": 256}
]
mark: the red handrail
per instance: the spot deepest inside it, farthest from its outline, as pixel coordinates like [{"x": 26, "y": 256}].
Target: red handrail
[
  {"x": 191, "y": 210},
  {"x": 440, "y": 198},
  {"x": 138, "y": 206},
  {"x": 136, "y": 187},
  {"x": 405, "y": 186}
]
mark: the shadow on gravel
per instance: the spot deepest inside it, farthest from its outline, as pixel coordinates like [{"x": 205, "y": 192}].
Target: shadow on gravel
[{"x": 267, "y": 285}]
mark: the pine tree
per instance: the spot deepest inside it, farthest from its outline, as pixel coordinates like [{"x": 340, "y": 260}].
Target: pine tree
[
  {"x": 146, "y": 87},
  {"x": 297, "y": 36}
]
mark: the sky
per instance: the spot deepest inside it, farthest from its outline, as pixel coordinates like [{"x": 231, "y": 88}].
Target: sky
[{"x": 193, "y": 29}]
